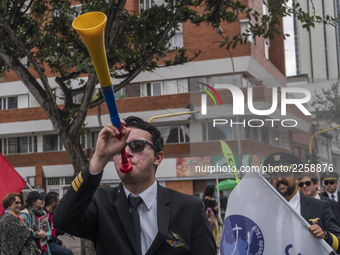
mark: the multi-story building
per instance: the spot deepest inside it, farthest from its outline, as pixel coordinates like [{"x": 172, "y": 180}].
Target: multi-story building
[
  {"x": 32, "y": 146},
  {"x": 317, "y": 50},
  {"x": 325, "y": 145}
]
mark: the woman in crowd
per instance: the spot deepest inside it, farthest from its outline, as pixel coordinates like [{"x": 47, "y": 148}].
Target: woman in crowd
[
  {"x": 15, "y": 236},
  {"x": 211, "y": 208},
  {"x": 32, "y": 212}
]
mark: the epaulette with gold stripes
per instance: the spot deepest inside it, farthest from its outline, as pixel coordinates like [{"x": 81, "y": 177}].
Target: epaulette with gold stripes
[{"x": 77, "y": 182}]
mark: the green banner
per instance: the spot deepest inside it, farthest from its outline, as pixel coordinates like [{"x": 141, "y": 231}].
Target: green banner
[{"x": 228, "y": 155}]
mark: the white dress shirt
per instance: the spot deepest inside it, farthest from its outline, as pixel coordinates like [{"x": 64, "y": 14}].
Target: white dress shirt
[
  {"x": 147, "y": 215},
  {"x": 295, "y": 203},
  {"x": 335, "y": 195}
]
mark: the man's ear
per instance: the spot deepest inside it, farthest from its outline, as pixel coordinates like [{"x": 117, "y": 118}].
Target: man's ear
[{"x": 158, "y": 158}]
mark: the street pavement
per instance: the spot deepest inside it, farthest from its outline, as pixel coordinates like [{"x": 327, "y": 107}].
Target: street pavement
[
  {"x": 74, "y": 245},
  {"x": 71, "y": 244}
]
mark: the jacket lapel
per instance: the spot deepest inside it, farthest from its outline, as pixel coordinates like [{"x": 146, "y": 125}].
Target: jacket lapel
[
  {"x": 122, "y": 206},
  {"x": 163, "y": 219},
  {"x": 305, "y": 208}
]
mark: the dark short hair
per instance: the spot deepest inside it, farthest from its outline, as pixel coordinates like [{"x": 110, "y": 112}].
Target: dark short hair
[
  {"x": 156, "y": 136},
  {"x": 9, "y": 199},
  {"x": 209, "y": 191},
  {"x": 312, "y": 176},
  {"x": 51, "y": 197}
]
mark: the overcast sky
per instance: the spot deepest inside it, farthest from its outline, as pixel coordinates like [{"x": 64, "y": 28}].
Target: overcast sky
[{"x": 289, "y": 45}]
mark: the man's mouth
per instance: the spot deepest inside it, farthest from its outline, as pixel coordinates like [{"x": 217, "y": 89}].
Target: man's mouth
[{"x": 282, "y": 185}]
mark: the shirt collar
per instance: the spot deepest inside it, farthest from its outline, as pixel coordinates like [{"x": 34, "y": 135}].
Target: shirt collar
[
  {"x": 295, "y": 201},
  {"x": 317, "y": 196},
  {"x": 149, "y": 195},
  {"x": 330, "y": 194}
]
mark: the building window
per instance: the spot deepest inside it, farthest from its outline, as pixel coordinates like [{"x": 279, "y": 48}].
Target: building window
[
  {"x": 177, "y": 39},
  {"x": 276, "y": 138},
  {"x": 55, "y": 190},
  {"x": 175, "y": 133},
  {"x": 15, "y": 145},
  {"x": 286, "y": 141},
  {"x": 266, "y": 48},
  {"x": 304, "y": 155},
  {"x": 151, "y": 89},
  {"x": 296, "y": 151},
  {"x": 82, "y": 139},
  {"x": 12, "y": 103},
  {"x": 265, "y": 7},
  {"x": 52, "y": 143},
  {"x": 252, "y": 133},
  {"x": 146, "y": 4},
  {"x": 68, "y": 180},
  {"x": 120, "y": 93},
  {"x": 53, "y": 181},
  {"x": 175, "y": 86},
  {"x": 220, "y": 132},
  {"x": 94, "y": 137},
  {"x": 8, "y": 103},
  {"x": 245, "y": 30},
  {"x": 31, "y": 181},
  {"x": 265, "y": 138},
  {"x": 32, "y": 144}
]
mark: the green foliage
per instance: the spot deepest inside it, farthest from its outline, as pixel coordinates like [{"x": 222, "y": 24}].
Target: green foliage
[
  {"x": 41, "y": 30},
  {"x": 44, "y": 27}
]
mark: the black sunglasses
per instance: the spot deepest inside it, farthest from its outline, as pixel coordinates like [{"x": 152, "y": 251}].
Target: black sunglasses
[
  {"x": 307, "y": 183},
  {"x": 328, "y": 182},
  {"x": 139, "y": 145},
  {"x": 17, "y": 202}
]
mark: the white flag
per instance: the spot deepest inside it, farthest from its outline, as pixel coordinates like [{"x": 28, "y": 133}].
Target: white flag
[{"x": 259, "y": 221}]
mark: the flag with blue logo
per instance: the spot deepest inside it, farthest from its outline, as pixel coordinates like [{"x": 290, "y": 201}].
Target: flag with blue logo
[{"x": 259, "y": 221}]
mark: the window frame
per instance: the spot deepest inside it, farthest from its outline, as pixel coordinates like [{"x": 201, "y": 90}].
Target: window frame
[
  {"x": 31, "y": 145},
  {"x": 249, "y": 24}
]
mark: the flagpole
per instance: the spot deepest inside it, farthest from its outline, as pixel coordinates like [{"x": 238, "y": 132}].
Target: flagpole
[{"x": 29, "y": 186}]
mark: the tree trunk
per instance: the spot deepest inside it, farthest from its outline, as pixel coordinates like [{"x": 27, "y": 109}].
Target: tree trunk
[
  {"x": 74, "y": 151},
  {"x": 79, "y": 161},
  {"x": 87, "y": 247}
]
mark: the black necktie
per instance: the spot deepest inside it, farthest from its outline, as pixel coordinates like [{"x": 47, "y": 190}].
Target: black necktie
[
  {"x": 333, "y": 197},
  {"x": 134, "y": 202}
]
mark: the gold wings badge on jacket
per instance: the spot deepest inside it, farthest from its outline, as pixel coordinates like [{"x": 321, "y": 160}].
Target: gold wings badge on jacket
[{"x": 175, "y": 244}]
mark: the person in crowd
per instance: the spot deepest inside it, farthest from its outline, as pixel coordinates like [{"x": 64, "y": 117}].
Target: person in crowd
[
  {"x": 330, "y": 182},
  {"x": 285, "y": 180},
  {"x": 139, "y": 216},
  {"x": 57, "y": 247},
  {"x": 15, "y": 236},
  {"x": 223, "y": 201},
  {"x": 31, "y": 213},
  {"x": 309, "y": 184},
  {"x": 211, "y": 206}
]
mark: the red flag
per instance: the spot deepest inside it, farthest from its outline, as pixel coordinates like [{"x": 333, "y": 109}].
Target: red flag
[{"x": 10, "y": 180}]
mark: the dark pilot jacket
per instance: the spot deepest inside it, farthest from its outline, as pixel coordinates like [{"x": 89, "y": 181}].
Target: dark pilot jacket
[{"x": 102, "y": 215}]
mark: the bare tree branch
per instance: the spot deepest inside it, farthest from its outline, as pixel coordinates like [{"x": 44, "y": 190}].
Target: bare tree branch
[{"x": 113, "y": 17}]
